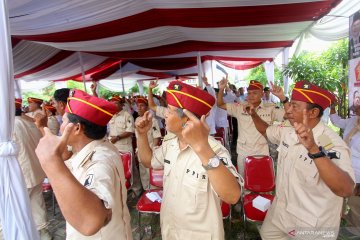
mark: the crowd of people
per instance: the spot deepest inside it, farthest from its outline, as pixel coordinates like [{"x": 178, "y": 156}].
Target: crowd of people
[{"x": 75, "y": 141}]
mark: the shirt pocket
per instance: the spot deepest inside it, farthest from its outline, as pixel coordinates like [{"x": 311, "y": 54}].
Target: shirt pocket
[
  {"x": 121, "y": 124},
  {"x": 307, "y": 173},
  {"x": 196, "y": 189}
]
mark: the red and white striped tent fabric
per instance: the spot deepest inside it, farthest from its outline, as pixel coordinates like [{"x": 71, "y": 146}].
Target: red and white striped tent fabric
[{"x": 46, "y": 35}]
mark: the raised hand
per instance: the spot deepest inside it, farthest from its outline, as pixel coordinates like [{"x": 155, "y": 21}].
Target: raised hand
[
  {"x": 223, "y": 83},
  {"x": 51, "y": 147},
  {"x": 93, "y": 86},
  {"x": 277, "y": 91},
  {"x": 143, "y": 124},
  {"x": 249, "y": 109},
  {"x": 305, "y": 134},
  {"x": 153, "y": 84},
  {"x": 40, "y": 120},
  {"x": 195, "y": 131},
  {"x": 205, "y": 80}
]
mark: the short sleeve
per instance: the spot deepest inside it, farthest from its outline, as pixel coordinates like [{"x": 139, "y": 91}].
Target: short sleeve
[
  {"x": 273, "y": 133},
  {"x": 100, "y": 178},
  {"x": 129, "y": 123},
  {"x": 234, "y": 109},
  {"x": 157, "y": 160},
  {"x": 156, "y": 129}
]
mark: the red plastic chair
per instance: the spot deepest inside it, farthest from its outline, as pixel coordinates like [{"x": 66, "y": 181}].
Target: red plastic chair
[
  {"x": 220, "y": 132},
  {"x": 145, "y": 205},
  {"x": 259, "y": 178},
  {"x": 126, "y": 158}
]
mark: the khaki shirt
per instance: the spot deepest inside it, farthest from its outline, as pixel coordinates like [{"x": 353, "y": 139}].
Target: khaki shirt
[
  {"x": 250, "y": 141},
  {"x": 98, "y": 167},
  {"x": 27, "y": 135},
  {"x": 303, "y": 200},
  {"x": 190, "y": 208},
  {"x": 120, "y": 123}
]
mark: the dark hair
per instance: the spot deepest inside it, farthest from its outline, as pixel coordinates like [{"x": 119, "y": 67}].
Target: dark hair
[
  {"x": 356, "y": 16},
  {"x": 91, "y": 130},
  {"x": 62, "y": 94},
  {"x": 310, "y": 106},
  {"x": 18, "y": 112}
]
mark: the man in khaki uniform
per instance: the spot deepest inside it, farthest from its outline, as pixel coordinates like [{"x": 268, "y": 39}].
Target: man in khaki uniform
[
  {"x": 121, "y": 127},
  {"x": 198, "y": 172},
  {"x": 27, "y": 136},
  {"x": 153, "y": 135},
  {"x": 34, "y": 106},
  {"x": 250, "y": 141},
  {"x": 92, "y": 193},
  {"x": 314, "y": 170}
]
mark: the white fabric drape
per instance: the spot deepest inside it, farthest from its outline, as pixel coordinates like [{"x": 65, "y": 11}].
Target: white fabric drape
[
  {"x": 269, "y": 71},
  {"x": 285, "y": 61},
  {"x": 160, "y": 36},
  {"x": 75, "y": 14},
  {"x": 335, "y": 25},
  {"x": 15, "y": 213}
]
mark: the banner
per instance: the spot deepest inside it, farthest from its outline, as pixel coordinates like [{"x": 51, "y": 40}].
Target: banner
[
  {"x": 354, "y": 84},
  {"x": 354, "y": 36}
]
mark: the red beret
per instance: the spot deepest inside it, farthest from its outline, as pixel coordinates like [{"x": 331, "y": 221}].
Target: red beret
[
  {"x": 35, "y": 100},
  {"x": 115, "y": 98},
  {"x": 50, "y": 108},
  {"x": 310, "y": 93},
  {"x": 182, "y": 95},
  {"x": 255, "y": 85},
  {"x": 142, "y": 100},
  {"x": 18, "y": 103},
  {"x": 95, "y": 110}
]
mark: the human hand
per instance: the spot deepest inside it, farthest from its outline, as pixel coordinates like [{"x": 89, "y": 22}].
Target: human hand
[
  {"x": 195, "y": 131},
  {"x": 51, "y": 147},
  {"x": 305, "y": 134},
  {"x": 93, "y": 86},
  {"x": 143, "y": 124},
  {"x": 223, "y": 83},
  {"x": 277, "y": 91},
  {"x": 205, "y": 80},
  {"x": 113, "y": 139},
  {"x": 40, "y": 120},
  {"x": 249, "y": 109},
  {"x": 153, "y": 84}
]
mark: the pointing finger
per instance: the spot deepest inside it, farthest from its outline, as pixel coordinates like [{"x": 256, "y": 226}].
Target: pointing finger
[
  {"x": 190, "y": 115},
  {"x": 305, "y": 118}
]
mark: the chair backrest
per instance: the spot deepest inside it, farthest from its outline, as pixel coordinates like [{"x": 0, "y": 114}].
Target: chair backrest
[
  {"x": 220, "y": 139},
  {"x": 126, "y": 159},
  {"x": 156, "y": 177},
  {"x": 259, "y": 174}
]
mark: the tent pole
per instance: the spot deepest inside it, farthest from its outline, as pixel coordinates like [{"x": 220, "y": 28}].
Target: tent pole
[
  {"x": 200, "y": 72},
  {"x": 122, "y": 78},
  {"x": 82, "y": 70}
]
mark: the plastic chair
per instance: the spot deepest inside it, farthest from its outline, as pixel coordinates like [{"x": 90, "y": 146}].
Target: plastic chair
[
  {"x": 145, "y": 205},
  {"x": 126, "y": 158},
  {"x": 259, "y": 178}
]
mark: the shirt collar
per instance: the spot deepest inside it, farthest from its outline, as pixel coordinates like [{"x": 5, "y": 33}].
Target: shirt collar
[{"x": 78, "y": 159}]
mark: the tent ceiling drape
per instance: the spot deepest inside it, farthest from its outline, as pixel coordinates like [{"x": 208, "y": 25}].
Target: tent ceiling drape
[{"x": 45, "y": 34}]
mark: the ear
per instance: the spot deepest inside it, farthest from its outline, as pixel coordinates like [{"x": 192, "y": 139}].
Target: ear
[
  {"x": 78, "y": 129},
  {"x": 314, "y": 113}
]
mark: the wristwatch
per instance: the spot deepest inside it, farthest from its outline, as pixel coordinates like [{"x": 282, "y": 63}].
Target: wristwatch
[
  {"x": 285, "y": 100},
  {"x": 214, "y": 162},
  {"x": 322, "y": 153}
]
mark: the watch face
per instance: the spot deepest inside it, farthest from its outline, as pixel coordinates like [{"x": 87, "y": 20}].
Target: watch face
[{"x": 214, "y": 162}]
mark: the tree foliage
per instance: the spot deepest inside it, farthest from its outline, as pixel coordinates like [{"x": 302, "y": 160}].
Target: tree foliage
[
  {"x": 328, "y": 70},
  {"x": 259, "y": 74}
]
